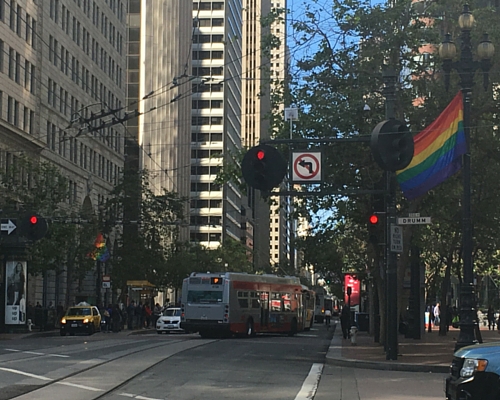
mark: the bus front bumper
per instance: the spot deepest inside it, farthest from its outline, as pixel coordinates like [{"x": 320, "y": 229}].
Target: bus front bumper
[{"x": 205, "y": 326}]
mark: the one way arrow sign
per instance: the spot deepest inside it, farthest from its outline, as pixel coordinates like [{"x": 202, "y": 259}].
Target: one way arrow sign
[{"x": 7, "y": 226}]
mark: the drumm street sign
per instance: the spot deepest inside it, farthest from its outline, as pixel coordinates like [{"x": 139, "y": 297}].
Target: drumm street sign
[
  {"x": 396, "y": 239},
  {"x": 8, "y": 226},
  {"x": 414, "y": 219}
]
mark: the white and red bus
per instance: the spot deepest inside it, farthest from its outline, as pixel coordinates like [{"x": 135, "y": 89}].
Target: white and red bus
[{"x": 237, "y": 303}]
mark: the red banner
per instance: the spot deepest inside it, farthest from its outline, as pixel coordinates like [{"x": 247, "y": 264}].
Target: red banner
[{"x": 352, "y": 282}]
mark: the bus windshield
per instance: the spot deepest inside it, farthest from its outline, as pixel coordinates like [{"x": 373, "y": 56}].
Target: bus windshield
[{"x": 204, "y": 296}]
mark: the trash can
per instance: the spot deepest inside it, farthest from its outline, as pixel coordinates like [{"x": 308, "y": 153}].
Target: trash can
[{"x": 363, "y": 321}]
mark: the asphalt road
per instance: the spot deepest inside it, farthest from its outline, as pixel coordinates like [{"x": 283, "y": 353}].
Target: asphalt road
[{"x": 186, "y": 367}]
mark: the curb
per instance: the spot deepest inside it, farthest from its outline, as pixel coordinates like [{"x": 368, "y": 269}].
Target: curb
[{"x": 388, "y": 366}]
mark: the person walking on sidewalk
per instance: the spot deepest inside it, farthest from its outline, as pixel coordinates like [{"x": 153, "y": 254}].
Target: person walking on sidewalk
[
  {"x": 131, "y": 315},
  {"x": 437, "y": 315},
  {"x": 491, "y": 318},
  {"x": 328, "y": 317},
  {"x": 345, "y": 317}
]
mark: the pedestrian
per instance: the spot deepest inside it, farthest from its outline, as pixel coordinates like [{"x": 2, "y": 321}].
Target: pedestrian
[
  {"x": 328, "y": 317},
  {"x": 491, "y": 318},
  {"x": 139, "y": 322},
  {"x": 449, "y": 316},
  {"x": 156, "y": 314},
  {"x": 437, "y": 315},
  {"x": 116, "y": 319},
  {"x": 345, "y": 318},
  {"x": 147, "y": 315},
  {"x": 131, "y": 315}
]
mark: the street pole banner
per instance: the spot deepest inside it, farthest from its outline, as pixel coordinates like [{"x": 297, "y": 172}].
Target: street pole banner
[{"x": 15, "y": 292}]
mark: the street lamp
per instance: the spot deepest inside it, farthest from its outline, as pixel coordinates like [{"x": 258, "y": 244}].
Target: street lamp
[{"x": 466, "y": 68}]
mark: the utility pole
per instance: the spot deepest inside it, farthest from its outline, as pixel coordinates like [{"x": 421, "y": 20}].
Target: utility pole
[{"x": 389, "y": 91}]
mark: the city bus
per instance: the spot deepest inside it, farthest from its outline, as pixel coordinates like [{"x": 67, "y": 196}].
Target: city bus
[
  {"x": 231, "y": 303},
  {"x": 324, "y": 301},
  {"x": 309, "y": 302}
]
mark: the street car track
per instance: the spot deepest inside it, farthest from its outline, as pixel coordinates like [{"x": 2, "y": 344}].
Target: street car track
[{"x": 89, "y": 383}]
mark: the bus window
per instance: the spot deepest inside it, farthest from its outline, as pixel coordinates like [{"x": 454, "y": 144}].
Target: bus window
[
  {"x": 254, "y": 298},
  {"x": 204, "y": 296},
  {"x": 287, "y": 306},
  {"x": 243, "y": 299},
  {"x": 276, "y": 303}
]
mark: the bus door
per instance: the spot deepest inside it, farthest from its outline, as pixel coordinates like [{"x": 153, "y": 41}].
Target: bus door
[{"x": 264, "y": 309}]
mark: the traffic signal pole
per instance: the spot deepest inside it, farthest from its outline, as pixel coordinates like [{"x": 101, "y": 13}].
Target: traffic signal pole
[{"x": 389, "y": 77}]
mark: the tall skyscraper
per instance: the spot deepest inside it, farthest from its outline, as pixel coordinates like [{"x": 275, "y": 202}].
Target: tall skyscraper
[
  {"x": 62, "y": 61},
  {"x": 159, "y": 89},
  {"x": 216, "y": 211},
  {"x": 231, "y": 103}
]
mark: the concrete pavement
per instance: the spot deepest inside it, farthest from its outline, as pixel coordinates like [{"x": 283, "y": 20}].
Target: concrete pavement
[{"x": 431, "y": 353}]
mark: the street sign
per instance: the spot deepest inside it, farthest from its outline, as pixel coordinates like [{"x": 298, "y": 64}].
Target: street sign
[
  {"x": 306, "y": 166},
  {"x": 396, "y": 239},
  {"x": 106, "y": 281},
  {"x": 414, "y": 221},
  {"x": 8, "y": 226}
]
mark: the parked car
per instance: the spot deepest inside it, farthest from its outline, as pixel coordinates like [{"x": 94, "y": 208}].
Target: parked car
[
  {"x": 82, "y": 318},
  {"x": 169, "y": 321},
  {"x": 475, "y": 373}
]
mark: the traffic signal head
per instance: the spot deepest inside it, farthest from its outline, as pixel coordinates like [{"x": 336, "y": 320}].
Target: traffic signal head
[
  {"x": 376, "y": 228},
  {"x": 392, "y": 145},
  {"x": 263, "y": 167},
  {"x": 32, "y": 227}
]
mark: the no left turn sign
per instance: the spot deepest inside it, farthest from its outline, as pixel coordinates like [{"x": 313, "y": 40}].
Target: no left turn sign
[{"x": 306, "y": 166}]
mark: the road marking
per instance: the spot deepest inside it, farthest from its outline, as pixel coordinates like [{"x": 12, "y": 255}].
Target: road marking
[
  {"x": 15, "y": 371},
  {"x": 37, "y": 354},
  {"x": 133, "y": 396},
  {"x": 310, "y": 385},
  {"x": 80, "y": 386}
]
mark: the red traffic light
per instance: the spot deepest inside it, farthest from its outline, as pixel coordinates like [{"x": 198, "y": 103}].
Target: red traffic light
[
  {"x": 373, "y": 219},
  {"x": 261, "y": 154},
  {"x": 33, "y": 219}
]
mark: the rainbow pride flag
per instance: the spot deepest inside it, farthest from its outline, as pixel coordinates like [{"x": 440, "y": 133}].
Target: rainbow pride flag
[
  {"x": 101, "y": 252},
  {"x": 437, "y": 154}
]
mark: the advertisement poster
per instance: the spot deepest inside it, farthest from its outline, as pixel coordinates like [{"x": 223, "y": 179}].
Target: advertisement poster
[
  {"x": 15, "y": 292},
  {"x": 352, "y": 282}
]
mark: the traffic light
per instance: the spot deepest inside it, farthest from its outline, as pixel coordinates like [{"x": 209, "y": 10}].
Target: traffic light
[
  {"x": 32, "y": 227},
  {"x": 374, "y": 219},
  {"x": 376, "y": 228},
  {"x": 392, "y": 145},
  {"x": 263, "y": 167}
]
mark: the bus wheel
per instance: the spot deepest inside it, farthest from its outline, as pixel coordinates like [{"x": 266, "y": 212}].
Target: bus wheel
[
  {"x": 293, "y": 329},
  {"x": 250, "y": 329}
]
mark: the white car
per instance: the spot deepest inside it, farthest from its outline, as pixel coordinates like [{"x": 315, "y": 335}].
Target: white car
[{"x": 169, "y": 321}]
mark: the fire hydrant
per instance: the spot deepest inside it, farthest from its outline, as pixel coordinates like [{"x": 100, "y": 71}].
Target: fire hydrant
[{"x": 354, "y": 333}]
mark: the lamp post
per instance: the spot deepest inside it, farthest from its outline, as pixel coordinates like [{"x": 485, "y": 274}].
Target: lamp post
[{"x": 466, "y": 66}]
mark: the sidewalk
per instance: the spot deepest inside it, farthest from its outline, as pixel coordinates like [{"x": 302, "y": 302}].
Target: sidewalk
[{"x": 432, "y": 353}]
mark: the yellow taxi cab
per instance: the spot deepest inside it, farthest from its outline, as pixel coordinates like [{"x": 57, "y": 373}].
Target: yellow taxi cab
[{"x": 82, "y": 318}]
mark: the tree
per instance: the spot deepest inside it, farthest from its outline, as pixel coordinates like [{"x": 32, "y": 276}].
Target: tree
[
  {"x": 340, "y": 48},
  {"x": 145, "y": 244},
  {"x": 35, "y": 186}
]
